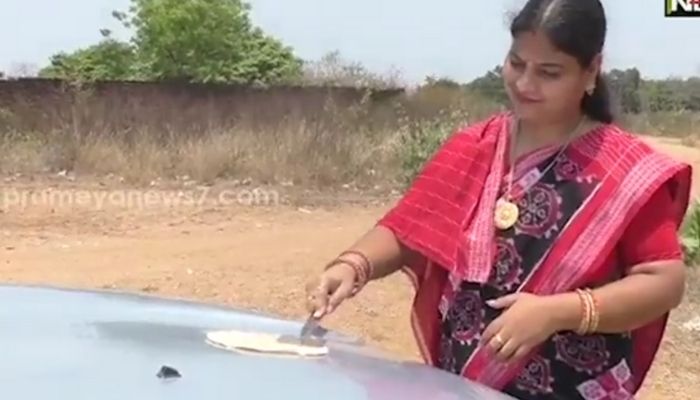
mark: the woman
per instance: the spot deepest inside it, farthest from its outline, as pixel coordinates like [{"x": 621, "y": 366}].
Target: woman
[{"x": 542, "y": 243}]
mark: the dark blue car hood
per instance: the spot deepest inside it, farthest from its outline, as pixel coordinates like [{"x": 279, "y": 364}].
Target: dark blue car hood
[{"x": 92, "y": 345}]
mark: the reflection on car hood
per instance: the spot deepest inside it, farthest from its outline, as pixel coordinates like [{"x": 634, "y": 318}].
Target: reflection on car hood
[{"x": 73, "y": 344}]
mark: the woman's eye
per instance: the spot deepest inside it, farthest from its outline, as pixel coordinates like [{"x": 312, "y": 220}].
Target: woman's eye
[
  {"x": 549, "y": 74},
  {"x": 517, "y": 64}
]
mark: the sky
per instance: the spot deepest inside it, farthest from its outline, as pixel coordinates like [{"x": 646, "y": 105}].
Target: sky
[{"x": 445, "y": 38}]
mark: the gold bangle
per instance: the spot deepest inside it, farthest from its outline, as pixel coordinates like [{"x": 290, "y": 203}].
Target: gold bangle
[
  {"x": 585, "y": 323},
  {"x": 595, "y": 319}
]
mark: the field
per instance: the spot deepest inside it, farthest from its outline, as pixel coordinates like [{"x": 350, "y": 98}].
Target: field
[{"x": 255, "y": 249}]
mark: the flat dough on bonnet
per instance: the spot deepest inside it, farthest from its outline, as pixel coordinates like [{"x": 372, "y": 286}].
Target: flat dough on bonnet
[{"x": 262, "y": 343}]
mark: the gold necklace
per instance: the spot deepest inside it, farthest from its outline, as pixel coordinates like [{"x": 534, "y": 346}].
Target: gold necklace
[{"x": 507, "y": 211}]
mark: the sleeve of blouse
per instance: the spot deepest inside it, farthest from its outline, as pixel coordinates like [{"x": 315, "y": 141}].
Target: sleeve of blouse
[{"x": 652, "y": 234}]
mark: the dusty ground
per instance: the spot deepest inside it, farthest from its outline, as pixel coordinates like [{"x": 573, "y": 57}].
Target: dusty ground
[{"x": 243, "y": 254}]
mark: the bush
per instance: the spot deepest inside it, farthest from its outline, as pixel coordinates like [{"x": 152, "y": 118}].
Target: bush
[
  {"x": 418, "y": 142},
  {"x": 690, "y": 235}
]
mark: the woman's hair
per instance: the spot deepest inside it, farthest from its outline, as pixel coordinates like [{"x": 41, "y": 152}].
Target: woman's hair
[{"x": 578, "y": 28}]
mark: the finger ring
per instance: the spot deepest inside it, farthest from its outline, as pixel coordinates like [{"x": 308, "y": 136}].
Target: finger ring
[{"x": 499, "y": 339}]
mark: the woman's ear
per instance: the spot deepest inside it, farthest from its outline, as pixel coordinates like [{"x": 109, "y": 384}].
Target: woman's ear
[{"x": 592, "y": 72}]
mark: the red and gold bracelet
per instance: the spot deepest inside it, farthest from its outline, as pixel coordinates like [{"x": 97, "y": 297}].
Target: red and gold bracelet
[
  {"x": 367, "y": 266},
  {"x": 362, "y": 270}
]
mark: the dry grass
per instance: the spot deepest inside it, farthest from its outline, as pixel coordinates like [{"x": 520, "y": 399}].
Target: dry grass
[
  {"x": 299, "y": 154},
  {"x": 326, "y": 141},
  {"x": 294, "y": 150},
  {"x": 360, "y": 143},
  {"x": 679, "y": 124}
]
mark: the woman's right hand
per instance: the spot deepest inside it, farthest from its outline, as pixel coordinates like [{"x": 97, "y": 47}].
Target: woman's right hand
[{"x": 326, "y": 292}]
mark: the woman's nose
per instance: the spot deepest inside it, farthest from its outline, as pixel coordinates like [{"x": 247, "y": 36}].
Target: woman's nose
[{"x": 525, "y": 83}]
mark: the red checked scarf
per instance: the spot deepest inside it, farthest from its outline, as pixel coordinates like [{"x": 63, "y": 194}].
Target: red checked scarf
[{"x": 447, "y": 214}]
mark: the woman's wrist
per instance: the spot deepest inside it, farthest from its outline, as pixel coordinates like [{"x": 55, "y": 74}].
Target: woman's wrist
[
  {"x": 359, "y": 263},
  {"x": 566, "y": 311},
  {"x": 363, "y": 265}
]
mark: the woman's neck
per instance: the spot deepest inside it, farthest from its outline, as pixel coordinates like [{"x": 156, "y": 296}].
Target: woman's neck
[
  {"x": 534, "y": 135},
  {"x": 549, "y": 132}
]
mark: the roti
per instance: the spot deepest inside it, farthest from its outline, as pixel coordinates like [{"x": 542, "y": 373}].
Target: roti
[{"x": 262, "y": 343}]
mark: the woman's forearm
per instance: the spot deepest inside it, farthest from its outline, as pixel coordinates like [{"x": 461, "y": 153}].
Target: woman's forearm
[
  {"x": 384, "y": 251},
  {"x": 647, "y": 293}
]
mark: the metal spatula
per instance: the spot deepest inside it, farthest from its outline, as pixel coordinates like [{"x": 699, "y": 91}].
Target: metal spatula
[{"x": 306, "y": 335}]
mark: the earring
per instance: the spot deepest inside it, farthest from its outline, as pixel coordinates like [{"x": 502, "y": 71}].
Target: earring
[{"x": 590, "y": 90}]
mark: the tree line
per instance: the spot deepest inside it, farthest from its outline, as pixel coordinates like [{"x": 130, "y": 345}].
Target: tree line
[
  {"x": 215, "y": 41},
  {"x": 631, "y": 94}
]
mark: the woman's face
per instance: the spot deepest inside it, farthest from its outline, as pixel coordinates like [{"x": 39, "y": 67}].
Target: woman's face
[{"x": 544, "y": 84}]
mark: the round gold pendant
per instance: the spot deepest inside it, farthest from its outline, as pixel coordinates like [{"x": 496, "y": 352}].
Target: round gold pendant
[{"x": 506, "y": 214}]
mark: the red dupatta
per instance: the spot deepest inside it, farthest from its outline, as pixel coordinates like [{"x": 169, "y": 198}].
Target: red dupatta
[{"x": 446, "y": 216}]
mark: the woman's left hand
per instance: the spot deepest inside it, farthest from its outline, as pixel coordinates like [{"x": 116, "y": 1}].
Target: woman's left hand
[{"x": 528, "y": 320}]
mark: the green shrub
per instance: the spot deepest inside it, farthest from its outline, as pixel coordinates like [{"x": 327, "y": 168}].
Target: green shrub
[
  {"x": 690, "y": 235},
  {"x": 419, "y": 142}
]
